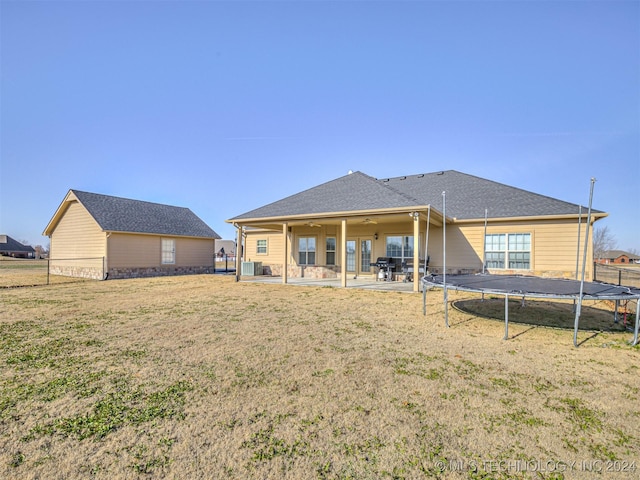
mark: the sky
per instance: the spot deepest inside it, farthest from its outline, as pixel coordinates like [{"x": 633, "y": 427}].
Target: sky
[{"x": 223, "y": 107}]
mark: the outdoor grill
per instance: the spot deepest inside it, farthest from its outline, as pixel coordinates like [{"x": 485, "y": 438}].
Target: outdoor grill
[
  {"x": 385, "y": 266},
  {"x": 408, "y": 270}
]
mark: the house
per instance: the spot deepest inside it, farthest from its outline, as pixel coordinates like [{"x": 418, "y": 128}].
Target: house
[
  {"x": 10, "y": 247},
  {"x": 100, "y": 236},
  {"x": 617, "y": 257},
  {"x": 340, "y": 228}
]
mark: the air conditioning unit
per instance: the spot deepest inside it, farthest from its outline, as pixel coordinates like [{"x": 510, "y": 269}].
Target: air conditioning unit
[{"x": 252, "y": 268}]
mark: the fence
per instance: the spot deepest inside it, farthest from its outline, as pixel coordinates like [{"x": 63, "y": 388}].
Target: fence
[
  {"x": 32, "y": 272},
  {"x": 225, "y": 263},
  {"x": 629, "y": 277}
]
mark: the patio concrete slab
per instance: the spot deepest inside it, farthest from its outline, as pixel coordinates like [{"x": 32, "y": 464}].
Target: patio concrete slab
[{"x": 361, "y": 283}]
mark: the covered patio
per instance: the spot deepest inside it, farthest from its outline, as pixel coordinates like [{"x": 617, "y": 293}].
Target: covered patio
[{"x": 365, "y": 283}]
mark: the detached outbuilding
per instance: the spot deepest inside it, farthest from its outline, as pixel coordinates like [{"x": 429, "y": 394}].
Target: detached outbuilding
[{"x": 101, "y": 236}]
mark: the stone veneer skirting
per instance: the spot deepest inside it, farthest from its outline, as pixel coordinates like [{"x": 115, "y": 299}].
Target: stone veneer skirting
[
  {"x": 306, "y": 271},
  {"x": 76, "y": 271},
  {"x": 157, "y": 271}
]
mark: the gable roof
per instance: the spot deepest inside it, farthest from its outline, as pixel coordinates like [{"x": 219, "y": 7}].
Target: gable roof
[
  {"x": 8, "y": 244},
  {"x": 467, "y": 196},
  {"x": 116, "y": 214},
  {"x": 354, "y": 192}
]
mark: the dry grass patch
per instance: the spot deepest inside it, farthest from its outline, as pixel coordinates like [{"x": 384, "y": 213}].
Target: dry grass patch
[
  {"x": 202, "y": 377},
  {"x": 19, "y": 272}
]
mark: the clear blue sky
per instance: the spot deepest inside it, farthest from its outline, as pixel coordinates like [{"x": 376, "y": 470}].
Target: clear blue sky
[{"x": 223, "y": 107}]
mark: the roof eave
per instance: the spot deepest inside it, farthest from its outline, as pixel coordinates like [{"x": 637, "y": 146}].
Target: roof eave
[
  {"x": 311, "y": 216},
  {"x": 108, "y": 232},
  {"x": 594, "y": 216}
]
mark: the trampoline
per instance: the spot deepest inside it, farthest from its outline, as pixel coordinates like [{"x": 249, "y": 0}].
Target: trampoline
[{"x": 532, "y": 287}]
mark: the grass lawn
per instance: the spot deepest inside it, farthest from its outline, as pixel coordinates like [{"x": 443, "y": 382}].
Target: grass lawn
[
  {"x": 201, "y": 377},
  {"x": 18, "y": 272}
]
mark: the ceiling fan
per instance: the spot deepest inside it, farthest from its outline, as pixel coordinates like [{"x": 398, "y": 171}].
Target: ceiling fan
[
  {"x": 368, "y": 221},
  {"x": 312, "y": 224}
]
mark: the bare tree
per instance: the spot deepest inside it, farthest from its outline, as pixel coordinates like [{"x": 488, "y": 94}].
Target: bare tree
[
  {"x": 603, "y": 240},
  {"x": 41, "y": 252}
]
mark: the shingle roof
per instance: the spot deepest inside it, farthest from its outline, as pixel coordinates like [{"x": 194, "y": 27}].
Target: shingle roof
[
  {"x": 467, "y": 196},
  {"x": 611, "y": 254},
  {"x": 8, "y": 244},
  {"x": 353, "y": 192},
  {"x": 115, "y": 214}
]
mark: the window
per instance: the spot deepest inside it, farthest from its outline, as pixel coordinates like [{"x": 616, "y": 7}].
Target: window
[
  {"x": 512, "y": 250},
  {"x": 168, "y": 251},
  {"x": 331, "y": 251},
  {"x": 400, "y": 247},
  {"x": 495, "y": 246},
  {"x": 307, "y": 251},
  {"x": 261, "y": 247}
]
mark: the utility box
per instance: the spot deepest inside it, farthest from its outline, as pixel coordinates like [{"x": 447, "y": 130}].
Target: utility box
[{"x": 251, "y": 268}]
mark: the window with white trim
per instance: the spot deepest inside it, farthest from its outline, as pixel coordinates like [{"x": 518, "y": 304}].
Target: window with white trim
[
  {"x": 508, "y": 250},
  {"x": 261, "y": 247},
  {"x": 331, "y": 250},
  {"x": 400, "y": 246},
  {"x": 168, "y": 251},
  {"x": 306, "y": 251}
]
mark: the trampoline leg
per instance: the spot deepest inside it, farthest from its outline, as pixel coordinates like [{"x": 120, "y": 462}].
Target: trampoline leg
[
  {"x": 615, "y": 313},
  {"x": 506, "y": 317},
  {"x": 577, "y": 322},
  {"x": 446, "y": 308},
  {"x": 424, "y": 300},
  {"x": 635, "y": 332}
]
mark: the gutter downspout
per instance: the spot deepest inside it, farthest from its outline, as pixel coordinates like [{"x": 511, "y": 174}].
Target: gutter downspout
[{"x": 105, "y": 259}]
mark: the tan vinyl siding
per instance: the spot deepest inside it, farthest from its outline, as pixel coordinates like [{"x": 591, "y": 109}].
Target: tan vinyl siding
[
  {"x": 144, "y": 251},
  {"x": 194, "y": 252},
  {"x": 133, "y": 251},
  {"x": 77, "y": 235},
  {"x": 553, "y": 245},
  {"x": 275, "y": 248}
]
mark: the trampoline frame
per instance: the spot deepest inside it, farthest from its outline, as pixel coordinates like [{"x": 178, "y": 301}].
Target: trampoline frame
[{"x": 622, "y": 293}]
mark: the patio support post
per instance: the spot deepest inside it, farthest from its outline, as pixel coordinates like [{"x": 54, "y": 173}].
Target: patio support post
[
  {"x": 285, "y": 258},
  {"x": 416, "y": 251},
  {"x": 343, "y": 255}
]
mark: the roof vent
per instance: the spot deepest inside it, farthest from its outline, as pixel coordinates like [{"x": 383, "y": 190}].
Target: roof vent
[
  {"x": 403, "y": 178},
  {"x": 350, "y": 172},
  {"x": 385, "y": 180},
  {"x": 421, "y": 175},
  {"x": 440, "y": 173}
]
